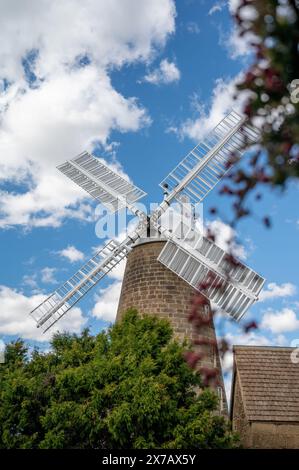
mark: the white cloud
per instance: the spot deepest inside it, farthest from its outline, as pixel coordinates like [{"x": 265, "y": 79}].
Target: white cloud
[
  {"x": 192, "y": 27},
  {"x": 225, "y": 238},
  {"x": 66, "y": 114},
  {"x": 15, "y": 319},
  {"x": 106, "y": 304},
  {"x": 238, "y": 46},
  {"x": 118, "y": 272},
  {"x": 111, "y": 33},
  {"x": 281, "y": 340},
  {"x": 251, "y": 338},
  {"x": 72, "y": 254},
  {"x": 274, "y": 290},
  {"x": 221, "y": 103},
  {"x": 217, "y": 7},
  {"x": 47, "y": 275},
  {"x": 280, "y": 321},
  {"x": 30, "y": 280},
  {"x": 167, "y": 72},
  {"x": 69, "y": 107}
]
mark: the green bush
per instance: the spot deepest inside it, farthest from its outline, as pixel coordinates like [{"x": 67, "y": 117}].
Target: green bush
[{"x": 128, "y": 387}]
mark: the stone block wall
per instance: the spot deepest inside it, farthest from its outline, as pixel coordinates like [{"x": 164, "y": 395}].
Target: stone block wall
[
  {"x": 262, "y": 434},
  {"x": 153, "y": 289},
  {"x": 239, "y": 420},
  {"x": 274, "y": 435}
]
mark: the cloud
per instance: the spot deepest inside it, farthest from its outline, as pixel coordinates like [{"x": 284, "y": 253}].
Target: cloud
[
  {"x": 44, "y": 127},
  {"x": 224, "y": 233},
  {"x": 166, "y": 73},
  {"x": 72, "y": 254},
  {"x": 118, "y": 272},
  {"x": 15, "y": 319},
  {"x": 47, "y": 275},
  {"x": 217, "y": 7},
  {"x": 235, "y": 45},
  {"x": 63, "y": 101},
  {"x": 252, "y": 339},
  {"x": 106, "y": 304},
  {"x": 274, "y": 290},
  {"x": 209, "y": 116},
  {"x": 238, "y": 46},
  {"x": 30, "y": 280},
  {"x": 281, "y": 340},
  {"x": 192, "y": 27},
  {"x": 280, "y": 321},
  {"x": 111, "y": 33}
]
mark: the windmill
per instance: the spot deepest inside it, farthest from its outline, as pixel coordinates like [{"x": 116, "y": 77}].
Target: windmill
[{"x": 193, "y": 259}]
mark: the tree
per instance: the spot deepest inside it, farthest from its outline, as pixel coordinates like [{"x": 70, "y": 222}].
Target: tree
[{"x": 129, "y": 387}]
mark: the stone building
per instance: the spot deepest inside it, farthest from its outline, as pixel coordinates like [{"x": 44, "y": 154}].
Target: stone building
[
  {"x": 155, "y": 290},
  {"x": 265, "y": 397}
]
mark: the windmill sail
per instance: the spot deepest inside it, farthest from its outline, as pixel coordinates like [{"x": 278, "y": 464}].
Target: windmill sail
[
  {"x": 197, "y": 260},
  {"x": 69, "y": 293},
  {"x": 102, "y": 183},
  {"x": 205, "y": 266},
  {"x": 198, "y": 173}
]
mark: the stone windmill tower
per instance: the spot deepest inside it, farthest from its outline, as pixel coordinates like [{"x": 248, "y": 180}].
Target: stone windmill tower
[
  {"x": 163, "y": 271},
  {"x": 153, "y": 289}
]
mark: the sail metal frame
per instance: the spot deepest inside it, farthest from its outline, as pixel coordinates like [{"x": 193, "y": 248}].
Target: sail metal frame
[
  {"x": 203, "y": 167},
  {"x": 102, "y": 183},
  {"x": 198, "y": 260},
  {"x": 69, "y": 293},
  {"x": 193, "y": 177}
]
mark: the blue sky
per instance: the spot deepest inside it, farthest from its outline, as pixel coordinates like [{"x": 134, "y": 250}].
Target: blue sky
[{"x": 139, "y": 85}]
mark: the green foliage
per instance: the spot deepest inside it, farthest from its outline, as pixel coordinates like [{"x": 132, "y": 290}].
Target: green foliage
[{"x": 128, "y": 387}]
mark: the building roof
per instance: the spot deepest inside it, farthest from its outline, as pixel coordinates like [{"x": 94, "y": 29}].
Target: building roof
[{"x": 269, "y": 383}]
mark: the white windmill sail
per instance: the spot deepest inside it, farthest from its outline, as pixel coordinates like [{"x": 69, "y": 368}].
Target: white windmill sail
[
  {"x": 231, "y": 286},
  {"x": 102, "y": 183},
  {"x": 198, "y": 173},
  {"x": 69, "y": 293}
]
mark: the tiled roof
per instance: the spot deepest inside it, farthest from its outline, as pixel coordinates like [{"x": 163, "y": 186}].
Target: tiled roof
[{"x": 269, "y": 382}]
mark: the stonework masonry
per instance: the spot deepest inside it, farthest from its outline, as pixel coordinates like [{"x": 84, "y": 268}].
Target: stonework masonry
[
  {"x": 264, "y": 399},
  {"x": 262, "y": 434},
  {"x": 153, "y": 289}
]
